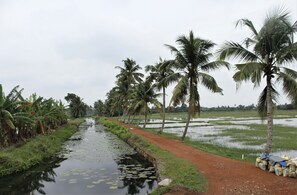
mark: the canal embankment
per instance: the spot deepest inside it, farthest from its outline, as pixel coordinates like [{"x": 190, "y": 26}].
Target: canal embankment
[
  {"x": 182, "y": 173},
  {"x": 31, "y": 152}
]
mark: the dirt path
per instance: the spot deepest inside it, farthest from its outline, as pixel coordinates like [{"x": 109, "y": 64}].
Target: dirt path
[{"x": 225, "y": 176}]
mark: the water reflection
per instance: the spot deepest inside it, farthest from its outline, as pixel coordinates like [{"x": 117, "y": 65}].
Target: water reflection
[
  {"x": 93, "y": 162},
  {"x": 136, "y": 176},
  {"x": 33, "y": 180}
]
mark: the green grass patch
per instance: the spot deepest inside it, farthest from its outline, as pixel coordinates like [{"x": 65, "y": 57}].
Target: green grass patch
[
  {"x": 182, "y": 173},
  {"x": 36, "y": 150},
  {"x": 216, "y": 114},
  {"x": 233, "y": 153}
]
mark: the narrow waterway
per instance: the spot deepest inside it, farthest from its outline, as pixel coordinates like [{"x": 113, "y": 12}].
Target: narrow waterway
[{"x": 93, "y": 161}]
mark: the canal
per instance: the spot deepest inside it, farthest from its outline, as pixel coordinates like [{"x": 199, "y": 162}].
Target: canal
[{"x": 93, "y": 161}]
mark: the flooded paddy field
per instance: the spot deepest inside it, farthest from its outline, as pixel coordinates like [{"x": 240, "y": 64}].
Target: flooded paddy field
[
  {"x": 235, "y": 131},
  {"x": 93, "y": 161}
]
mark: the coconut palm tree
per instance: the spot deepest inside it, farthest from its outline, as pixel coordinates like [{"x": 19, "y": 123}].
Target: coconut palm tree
[
  {"x": 163, "y": 74},
  {"x": 264, "y": 55},
  {"x": 77, "y": 107},
  {"x": 144, "y": 95},
  {"x": 192, "y": 57},
  {"x": 128, "y": 77}
]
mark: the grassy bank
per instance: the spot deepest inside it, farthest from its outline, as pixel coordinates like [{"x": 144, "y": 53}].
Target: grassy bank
[
  {"x": 38, "y": 149},
  {"x": 183, "y": 174}
]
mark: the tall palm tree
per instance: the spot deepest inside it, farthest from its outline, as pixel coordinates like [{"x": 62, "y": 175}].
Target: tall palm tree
[
  {"x": 163, "y": 74},
  {"x": 128, "y": 77},
  {"x": 144, "y": 95},
  {"x": 270, "y": 49},
  {"x": 192, "y": 57},
  {"x": 77, "y": 107}
]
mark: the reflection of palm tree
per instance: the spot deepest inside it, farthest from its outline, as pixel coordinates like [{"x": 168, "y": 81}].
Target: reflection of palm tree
[
  {"x": 31, "y": 180},
  {"x": 133, "y": 185}
]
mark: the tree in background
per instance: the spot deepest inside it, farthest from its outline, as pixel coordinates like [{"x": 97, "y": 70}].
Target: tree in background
[
  {"x": 76, "y": 105},
  {"x": 99, "y": 107},
  {"x": 163, "y": 75},
  {"x": 192, "y": 59},
  {"x": 128, "y": 77},
  {"x": 144, "y": 95},
  {"x": 272, "y": 47}
]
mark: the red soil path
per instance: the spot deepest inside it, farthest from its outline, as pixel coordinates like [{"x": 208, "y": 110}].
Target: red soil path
[{"x": 224, "y": 175}]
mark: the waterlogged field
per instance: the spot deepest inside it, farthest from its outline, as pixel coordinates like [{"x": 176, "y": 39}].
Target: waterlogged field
[{"x": 238, "y": 132}]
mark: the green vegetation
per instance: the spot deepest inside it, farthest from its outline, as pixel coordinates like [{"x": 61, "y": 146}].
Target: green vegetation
[
  {"x": 182, "y": 173},
  {"x": 163, "y": 75},
  {"x": 25, "y": 155},
  {"x": 234, "y": 153},
  {"x": 273, "y": 47},
  {"x": 217, "y": 114},
  {"x": 76, "y": 105},
  {"x": 192, "y": 58},
  {"x": 22, "y": 118}
]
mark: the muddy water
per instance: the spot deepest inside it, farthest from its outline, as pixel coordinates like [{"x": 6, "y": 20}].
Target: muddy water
[{"x": 93, "y": 162}]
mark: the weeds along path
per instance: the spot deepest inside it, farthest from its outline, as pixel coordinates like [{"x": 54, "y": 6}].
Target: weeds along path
[{"x": 224, "y": 175}]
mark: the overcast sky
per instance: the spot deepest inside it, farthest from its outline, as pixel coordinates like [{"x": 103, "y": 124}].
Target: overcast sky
[{"x": 53, "y": 47}]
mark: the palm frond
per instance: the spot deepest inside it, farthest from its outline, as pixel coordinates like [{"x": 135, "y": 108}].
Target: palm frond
[
  {"x": 289, "y": 84},
  {"x": 215, "y": 65},
  {"x": 248, "y": 71},
  {"x": 262, "y": 101},
  {"x": 235, "y": 50},
  {"x": 249, "y": 24},
  {"x": 180, "y": 92},
  {"x": 209, "y": 82}
]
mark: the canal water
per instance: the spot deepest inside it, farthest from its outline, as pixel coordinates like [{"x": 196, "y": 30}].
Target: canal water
[{"x": 93, "y": 161}]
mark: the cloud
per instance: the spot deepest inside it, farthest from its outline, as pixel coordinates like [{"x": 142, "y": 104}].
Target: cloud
[{"x": 53, "y": 47}]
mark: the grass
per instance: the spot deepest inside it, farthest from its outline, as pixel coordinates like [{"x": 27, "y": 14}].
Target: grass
[
  {"x": 182, "y": 173},
  {"x": 216, "y": 114},
  {"x": 234, "y": 153},
  {"x": 284, "y": 136},
  {"x": 20, "y": 158}
]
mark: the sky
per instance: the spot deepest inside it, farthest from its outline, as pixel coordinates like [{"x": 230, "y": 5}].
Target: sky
[{"x": 55, "y": 47}]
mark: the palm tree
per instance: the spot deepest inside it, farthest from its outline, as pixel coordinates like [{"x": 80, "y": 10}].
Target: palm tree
[
  {"x": 193, "y": 59},
  {"x": 127, "y": 78},
  {"x": 77, "y": 107},
  {"x": 271, "y": 48},
  {"x": 144, "y": 95},
  {"x": 163, "y": 75}
]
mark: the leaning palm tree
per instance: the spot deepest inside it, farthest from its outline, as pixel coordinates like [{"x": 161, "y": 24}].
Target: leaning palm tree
[
  {"x": 264, "y": 55},
  {"x": 163, "y": 74},
  {"x": 193, "y": 59},
  {"x": 144, "y": 95}
]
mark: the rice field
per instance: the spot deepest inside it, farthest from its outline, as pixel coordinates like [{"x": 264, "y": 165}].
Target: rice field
[{"x": 243, "y": 131}]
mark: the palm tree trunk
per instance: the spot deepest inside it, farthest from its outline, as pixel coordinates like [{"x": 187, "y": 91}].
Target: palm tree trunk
[
  {"x": 187, "y": 125},
  {"x": 190, "y": 109},
  {"x": 133, "y": 117},
  {"x": 163, "y": 114},
  {"x": 129, "y": 116},
  {"x": 145, "y": 118},
  {"x": 269, "y": 117}
]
